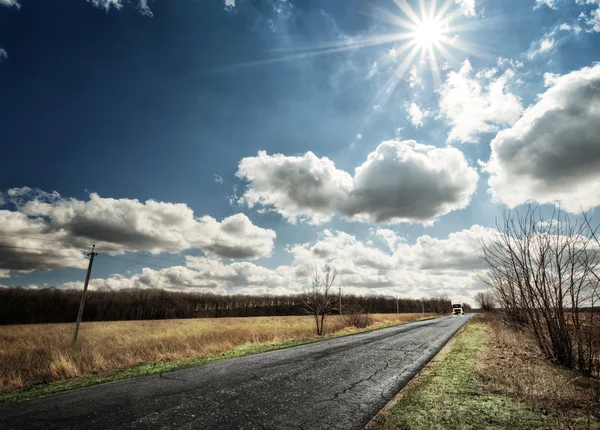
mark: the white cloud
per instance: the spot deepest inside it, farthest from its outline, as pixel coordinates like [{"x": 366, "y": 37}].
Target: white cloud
[
  {"x": 552, "y": 155},
  {"x": 590, "y": 18},
  {"x": 467, "y": 7},
  {"x": 359, "y": 136},
  {"x": 427, "y": 268},
  {"x": 10, "y": 3},
  {"x": 373, "y": 71},
  {"x": 413, "y": 78},
  {"x": 4, "y": 273},
  {"x": 547, "y": 44},
  {"x": 549, "y": 3},
  {"x": 593, "y": 20},
  {"x": 390, "y": 237},
  {"x": 176, "y": 278},
  {"x": 217, "y": 179},
  {"x": 116, "y": 225},
  {"x": 401, "y": 181},
  {"x": 229, "y": 4},
  {"x": 472, "y": 108},
  {"x": 142, "y": 5},
  {"x": 416, "y": 114},
  {"x": 3, "y": 55}
]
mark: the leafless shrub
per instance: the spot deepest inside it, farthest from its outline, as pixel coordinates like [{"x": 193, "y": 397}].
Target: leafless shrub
[
  {"x": 355, "y": 316},
  {"x": 320, "y": 300},
  {"x": 485, "y": 301},
  {"x": 544, "y": 274}
]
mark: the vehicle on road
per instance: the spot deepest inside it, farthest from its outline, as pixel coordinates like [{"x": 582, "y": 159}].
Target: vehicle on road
[{"x": 457, "y": 307}]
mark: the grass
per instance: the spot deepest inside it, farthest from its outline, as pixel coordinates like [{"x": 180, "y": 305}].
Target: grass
[
  {"x": 471, "y": 387},
  {"x": 38, "y": 360}
]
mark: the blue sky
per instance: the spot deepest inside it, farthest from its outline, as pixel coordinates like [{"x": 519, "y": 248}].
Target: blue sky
[{"x": 229, "y": 146}]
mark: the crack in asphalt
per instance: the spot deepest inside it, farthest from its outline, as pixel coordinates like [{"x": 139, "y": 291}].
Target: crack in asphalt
[{"x": 336, "y": 384}]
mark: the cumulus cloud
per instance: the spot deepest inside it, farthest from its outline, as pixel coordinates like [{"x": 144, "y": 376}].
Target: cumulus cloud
[
  {"x": 115, "y": 225},
  {"x": 467, "y": 7},
  {"x": 401, "y": 181},
  {"x": 229, "y": 4},
  {"x": 552, "y": 154},
  {"x": 416, "y": 114},
  {"x": 472, "y": 108}
]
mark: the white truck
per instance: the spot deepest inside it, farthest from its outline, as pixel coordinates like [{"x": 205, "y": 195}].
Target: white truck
[{"x": 457, "y": 307}]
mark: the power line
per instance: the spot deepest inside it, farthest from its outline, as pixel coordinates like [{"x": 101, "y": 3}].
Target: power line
[
  {"x": 83, "y": 246},
  {"x": 44, "y": 239},
  {"x": 153, "y": 256},
  {"x": 142, "y": 263},
  {"x": 25, "y": 247}
]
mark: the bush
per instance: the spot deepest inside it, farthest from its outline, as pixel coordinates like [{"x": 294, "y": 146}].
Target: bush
[{"x": 356, "y": 316}]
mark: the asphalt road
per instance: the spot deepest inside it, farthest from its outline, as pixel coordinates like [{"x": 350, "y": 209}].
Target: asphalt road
[{"x": 334, "y": 384}]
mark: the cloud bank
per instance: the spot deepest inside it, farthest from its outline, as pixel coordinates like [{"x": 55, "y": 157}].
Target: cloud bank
[
  {"x": 427, "y": 268},
  {"x": 115, "y": 225}
]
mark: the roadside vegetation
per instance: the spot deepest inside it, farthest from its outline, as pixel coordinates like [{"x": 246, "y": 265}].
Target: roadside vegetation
[
  {"x": 545, "y": 275},
  {"x": 491, "y": 376},
  {"x": 33, "y": 357}
]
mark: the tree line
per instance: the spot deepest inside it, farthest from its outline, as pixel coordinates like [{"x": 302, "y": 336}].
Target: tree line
[{"x": 23, "y": 306}]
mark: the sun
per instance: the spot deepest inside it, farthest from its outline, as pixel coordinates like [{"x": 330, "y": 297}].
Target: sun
[{"x": 428, "y": 33}]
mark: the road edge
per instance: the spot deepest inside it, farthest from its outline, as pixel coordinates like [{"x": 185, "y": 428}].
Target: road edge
[{"x": 417, "y": 380}]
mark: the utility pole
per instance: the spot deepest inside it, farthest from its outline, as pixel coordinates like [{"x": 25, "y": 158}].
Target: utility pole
[
  {"x": 85, "y": 287},
  {"x": 340, "y": 300},
  {"x": 397, "y": 306},
  {"x": 423, "y": 304}
]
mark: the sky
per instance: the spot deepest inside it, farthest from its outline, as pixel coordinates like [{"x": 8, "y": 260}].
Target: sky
[{"x": 231, "y": 146}]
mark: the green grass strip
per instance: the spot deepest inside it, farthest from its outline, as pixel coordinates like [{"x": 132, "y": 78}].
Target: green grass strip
[
  {"x": 453, "y": 395},
  {"x": 46, "y": 389}
]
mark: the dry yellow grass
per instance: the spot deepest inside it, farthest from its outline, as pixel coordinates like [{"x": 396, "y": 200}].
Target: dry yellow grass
[
  {"x": 515, "y": 366},
  {"x": 31, "y": 354}
]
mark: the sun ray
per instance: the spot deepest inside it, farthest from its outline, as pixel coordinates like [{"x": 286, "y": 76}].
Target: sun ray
[
  {"x": 444, "y": 9},
  {"x": 408, "y": 10}
]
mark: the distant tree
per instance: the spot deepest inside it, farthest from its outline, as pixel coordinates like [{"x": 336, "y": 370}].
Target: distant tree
[
  {"x": 320, "y": 300},
  {"x": 485, "y": 301}
]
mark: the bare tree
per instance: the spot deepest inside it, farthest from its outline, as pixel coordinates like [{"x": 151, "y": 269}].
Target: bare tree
[
  {"x": 543, "y": 273},
  {"x": 320, "y": 300},
  {"x": 485, "y": 301}
]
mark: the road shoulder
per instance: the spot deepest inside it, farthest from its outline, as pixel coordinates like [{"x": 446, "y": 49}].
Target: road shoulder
[{"x": 459, "y": 389}]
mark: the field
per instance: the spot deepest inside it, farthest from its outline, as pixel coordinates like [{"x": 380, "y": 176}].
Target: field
[{"x": 36, "y": 353}]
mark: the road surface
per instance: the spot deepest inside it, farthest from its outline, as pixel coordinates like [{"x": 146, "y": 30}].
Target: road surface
[{"x": 333, "y": 384}]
